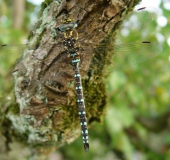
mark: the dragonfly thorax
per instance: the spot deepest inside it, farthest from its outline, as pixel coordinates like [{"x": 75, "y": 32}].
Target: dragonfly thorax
[
  {"x": 69, "y": 42},
  {"x": 67, "y": 25}
]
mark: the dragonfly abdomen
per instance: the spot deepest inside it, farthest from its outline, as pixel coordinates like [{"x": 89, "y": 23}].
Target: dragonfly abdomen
[{"x": 69, "y": 42}]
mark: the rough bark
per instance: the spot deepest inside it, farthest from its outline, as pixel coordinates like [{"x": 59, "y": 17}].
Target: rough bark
[{"x": 44, "y": 82}]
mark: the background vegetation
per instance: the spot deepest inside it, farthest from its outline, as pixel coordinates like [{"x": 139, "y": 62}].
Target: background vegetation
[{"x": 136, "y": 125}]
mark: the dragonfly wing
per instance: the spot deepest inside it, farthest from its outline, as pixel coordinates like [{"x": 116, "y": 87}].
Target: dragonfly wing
[
  {"x": 137, "y": 24},
  {"x": 138, "y": 19},
  {"x": 131, "y": 54},
  {"x": 125, "y": 55},
  {"x": 4, "y": 48}
]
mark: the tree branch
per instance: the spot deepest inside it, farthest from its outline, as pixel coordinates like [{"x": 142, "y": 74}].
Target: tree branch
[{"x": 44, "y": 86}]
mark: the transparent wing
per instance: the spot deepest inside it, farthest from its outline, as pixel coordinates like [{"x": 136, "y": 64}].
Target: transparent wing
[
  {"x": 5, "y": 48},
  {"x": 125, "y": 55},
  {"x": 140, "y": 18},
  {"x": 131, "y": 54},
  {"x": 137, "y": 25}
]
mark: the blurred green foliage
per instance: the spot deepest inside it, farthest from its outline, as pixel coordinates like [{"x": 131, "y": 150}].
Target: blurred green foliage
[
  {"x": 138, "y": 97},
  {"x": 12, "y": 36}
]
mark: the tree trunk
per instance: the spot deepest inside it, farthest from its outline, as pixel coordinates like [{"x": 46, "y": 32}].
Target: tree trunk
[
  {"x": 18, "y": 13},
  {"x": 44, "y": 78}
]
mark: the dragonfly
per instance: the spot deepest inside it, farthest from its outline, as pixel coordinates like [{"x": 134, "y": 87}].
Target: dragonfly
[
  {"x": 73, "y": 50},
  {"x": 131, "y": 53}
]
